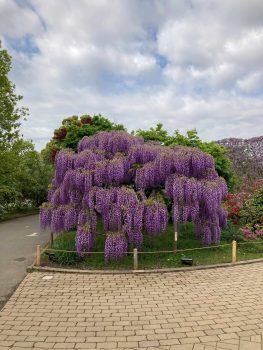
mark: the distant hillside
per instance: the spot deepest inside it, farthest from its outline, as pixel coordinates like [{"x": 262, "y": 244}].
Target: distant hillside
[{"x": 246, "y": 155}]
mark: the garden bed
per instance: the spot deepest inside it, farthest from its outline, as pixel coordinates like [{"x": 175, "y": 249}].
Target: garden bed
[{"x": 214, "y": 255}]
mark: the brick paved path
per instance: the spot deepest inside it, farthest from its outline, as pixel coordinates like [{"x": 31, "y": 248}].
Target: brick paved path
[{"x": 205, "y": 309}]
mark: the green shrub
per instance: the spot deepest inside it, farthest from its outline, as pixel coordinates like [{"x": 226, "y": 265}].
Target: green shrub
[
  {"x": 252, "y": 211},
  {"x": 231, "y": 233},
  {"x": 64, "y": 242}
]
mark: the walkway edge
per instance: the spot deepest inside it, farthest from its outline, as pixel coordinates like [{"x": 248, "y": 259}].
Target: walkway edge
[
  {"x": 20, "y": 215},
  {"x": 33, "y": 268}
]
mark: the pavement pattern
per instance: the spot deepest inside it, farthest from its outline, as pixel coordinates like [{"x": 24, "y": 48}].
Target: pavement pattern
[
  {"x": 19, "y": 238},
  {"x": 220, "y": 308}
]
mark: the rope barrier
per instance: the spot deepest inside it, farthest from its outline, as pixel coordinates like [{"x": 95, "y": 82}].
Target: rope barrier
[
  {"x": 241, "y": 243},
  {"x": 184, "y": 250},
  {"x": 145, "y": 252},
  {"x": 74, "y": 251},
  {"x": 135, "y": 252}
]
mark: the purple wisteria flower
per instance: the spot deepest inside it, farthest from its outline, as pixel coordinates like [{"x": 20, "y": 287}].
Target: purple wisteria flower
[
  {"x": 115, "y": 246},
  {"x": 85, "y": 240}
]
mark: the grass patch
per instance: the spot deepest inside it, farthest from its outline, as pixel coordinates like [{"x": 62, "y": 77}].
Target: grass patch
[{"x": 187, "y": 240}]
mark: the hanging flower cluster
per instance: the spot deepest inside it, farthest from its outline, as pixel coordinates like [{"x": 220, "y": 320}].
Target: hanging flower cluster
[
  {"x": 155, "y": 217},
  {"x": 199, "y": 201},
  {"x": 85, "y": 239},
  {"x": 133, "y": 223},
  {"x": 115, "y": 246},
  {"x": 114, "y": 174}
]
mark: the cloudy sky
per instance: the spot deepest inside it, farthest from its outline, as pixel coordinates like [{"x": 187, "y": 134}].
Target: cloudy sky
[{"x": 188, "y": 64}]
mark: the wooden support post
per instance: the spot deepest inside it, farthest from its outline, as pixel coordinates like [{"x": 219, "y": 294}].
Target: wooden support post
[
  {"x": 176, "y": 235},
  {"x": 234, "y": 251},
  {"x": 38, "y": 255},
  {"x": 51, "y": 239},
  {"x": 135, "y": 259},
  {"x": 175, "y": 240}
]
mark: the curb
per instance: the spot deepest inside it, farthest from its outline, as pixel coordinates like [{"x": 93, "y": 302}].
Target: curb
[
  {"x": 21, "y": 215},
  {"x": 33, "y": 268}
]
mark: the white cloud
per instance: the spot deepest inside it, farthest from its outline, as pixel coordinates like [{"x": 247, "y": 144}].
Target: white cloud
[
  {"x": 184, "y": 63},
  {"x": 251, "y": 83},
  {"x": 17, "y": 22},
  {"x": 189, "y": 43}
]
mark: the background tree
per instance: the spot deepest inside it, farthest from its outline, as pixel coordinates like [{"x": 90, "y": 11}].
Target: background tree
[
  {"x": 247, "y": 158},
  {"x": 10, "y": 113},
  {"x": 153, "y": 134},
  {"x": 73, "y": 129},
  {"x": 24, "y": 176}
]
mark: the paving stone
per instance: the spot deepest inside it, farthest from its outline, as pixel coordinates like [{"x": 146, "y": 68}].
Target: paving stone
[
  {"x": 245, "y": 345},
  {"x": 193, "y": 310},
  {"x": 227, "y": 346}
]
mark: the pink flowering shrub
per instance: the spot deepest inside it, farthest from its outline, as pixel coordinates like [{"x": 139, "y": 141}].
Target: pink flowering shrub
[{"x": 252, "y": 232}]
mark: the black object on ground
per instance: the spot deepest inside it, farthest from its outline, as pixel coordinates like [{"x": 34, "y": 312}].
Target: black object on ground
[{"x": 187, "y": 261}]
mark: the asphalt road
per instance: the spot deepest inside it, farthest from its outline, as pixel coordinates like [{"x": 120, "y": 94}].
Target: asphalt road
[{"x": 18, "y": 240}]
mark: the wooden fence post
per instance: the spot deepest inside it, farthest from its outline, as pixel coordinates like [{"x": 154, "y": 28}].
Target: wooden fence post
[
  {"x": 234, "y": 251},
  {"x": 176, "y": 235},
  {"x": 38, "y": 255},
  {"x": 175, "y": 241},
  {"x": 135, "y": 259}
]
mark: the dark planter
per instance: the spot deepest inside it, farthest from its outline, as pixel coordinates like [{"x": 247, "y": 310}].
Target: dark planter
[
  {"x": 51, "y": 256},
  {"x": 187, "y": 261}
]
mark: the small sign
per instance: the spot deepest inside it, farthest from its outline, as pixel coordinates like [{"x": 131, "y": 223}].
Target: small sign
[{"x": 47, "y": 278}]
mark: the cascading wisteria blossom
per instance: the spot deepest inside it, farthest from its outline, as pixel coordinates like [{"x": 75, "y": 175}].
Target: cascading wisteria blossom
[
  {"x": 85, "y": 239},
  {"x": 114, "y": 175},
  {"x": 133, "y": 223},
  {"x": 87, "y": 217},
  {"x": 70, "y": 217},
  {"x": 115, "y": 246},
  {"x": 143, "y": 154},
  {"x": 51, "y": 189},
  {"x": 199, "y": 201},
  {"x": 45, "y": 215},
  {"x": 155, "y": 217},
  {"x": 57, "y": 219},
  {"x": 87, "y": 159},
  {"x": 64, "y": 161},
  {"x": 110, "y": 142}
]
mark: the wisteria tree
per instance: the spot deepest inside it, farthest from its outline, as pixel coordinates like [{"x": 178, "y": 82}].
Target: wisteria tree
[
  {"x": 247, "y": 158},
  {"x": 134, "y": 188}
]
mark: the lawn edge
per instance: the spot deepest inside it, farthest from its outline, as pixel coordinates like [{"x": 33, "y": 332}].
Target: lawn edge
[
  {"x": 33, "y": 268},
  {"x": 18, "y": 215}
]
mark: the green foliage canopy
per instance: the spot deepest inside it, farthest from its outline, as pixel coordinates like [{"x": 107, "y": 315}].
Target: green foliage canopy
[
  {"x": 10, "y": 113},
  {"x": 23, "y": 174},
  {"x": 72, "y": 131}
]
